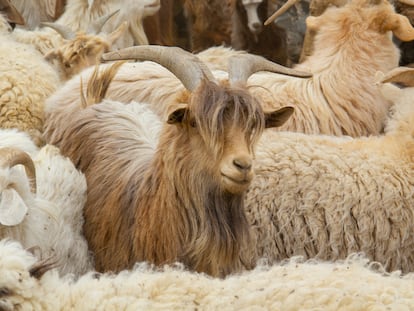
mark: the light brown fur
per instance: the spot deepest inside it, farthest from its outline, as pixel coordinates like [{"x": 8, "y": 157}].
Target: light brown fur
[{"x": 173, "y": 203}]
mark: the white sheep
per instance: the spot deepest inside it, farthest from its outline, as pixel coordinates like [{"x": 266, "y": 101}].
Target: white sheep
[
  {"x": 325, "y": 197},
  {"x": 350, "y": 285},
  {"x": 42, "y": 205},
  {"x": 26, "y": 80}
]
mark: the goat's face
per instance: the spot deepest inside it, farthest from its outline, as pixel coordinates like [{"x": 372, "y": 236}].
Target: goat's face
[
  {"x": 221, "y": 126},
  {"x": 83, "y": 51},
  {"x": 77, "y": 54},
  {"x": 253, "y": 21}
]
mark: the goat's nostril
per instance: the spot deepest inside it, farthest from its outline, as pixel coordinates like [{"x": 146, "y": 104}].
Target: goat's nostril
[
  {"x": 242, "y": 164},
  {"x": 257, "y": 25}
]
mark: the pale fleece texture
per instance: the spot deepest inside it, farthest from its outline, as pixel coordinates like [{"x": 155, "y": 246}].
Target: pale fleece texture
[
  {"x": 353, "y": 284},
  {"x": 54, "y": 220},
  {"x": 26, "y": 81},
  {"x": 326, "y": 197}
]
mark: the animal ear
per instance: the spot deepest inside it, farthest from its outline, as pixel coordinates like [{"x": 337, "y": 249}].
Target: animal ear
[
  {"x": 400, "y": 26},
  {"x": 12, "y": 208},
  {"x": 177, "y": 115},
  {"x": 313, "y": 23},
  {"x": 279, "y": 117},
  {"x": 117, "y": 33},
  {"x": 402, "y": 75}
]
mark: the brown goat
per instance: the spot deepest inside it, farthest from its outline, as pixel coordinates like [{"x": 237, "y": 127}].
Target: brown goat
[{"x": 183, "y": 200}]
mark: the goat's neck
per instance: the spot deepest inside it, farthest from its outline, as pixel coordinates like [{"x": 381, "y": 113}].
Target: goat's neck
[
  {"x": 357, "y": 53},
  {"x": 188, "y": 218}
]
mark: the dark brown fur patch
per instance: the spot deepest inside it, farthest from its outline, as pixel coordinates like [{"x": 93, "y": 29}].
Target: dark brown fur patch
[{"x": 41, "y": 267}]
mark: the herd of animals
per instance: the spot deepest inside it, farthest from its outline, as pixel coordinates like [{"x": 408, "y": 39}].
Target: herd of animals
[{"x": 180, "y": 154}]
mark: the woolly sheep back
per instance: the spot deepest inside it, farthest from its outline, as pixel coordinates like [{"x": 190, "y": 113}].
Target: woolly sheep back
[
  {"x": 25, "y": 83},
  {"x": 352, "y": 284}
]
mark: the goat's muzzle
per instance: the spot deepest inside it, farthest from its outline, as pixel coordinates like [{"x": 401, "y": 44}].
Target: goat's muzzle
[{"x": 237, "y": 174}]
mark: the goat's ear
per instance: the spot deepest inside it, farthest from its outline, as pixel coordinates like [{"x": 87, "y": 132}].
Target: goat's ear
[
  {"x": 12, "y": 208},
  {"x": 279, "y": 117},
  {"x": 312, "y": 23},
  {"x": 177, "y": 115}
]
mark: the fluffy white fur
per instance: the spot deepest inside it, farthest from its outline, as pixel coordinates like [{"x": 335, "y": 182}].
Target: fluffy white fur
[
  {"x": 53, "y": 222},
  {"x": 352, "y": 284},
  {"x": 26, "y": 81}
]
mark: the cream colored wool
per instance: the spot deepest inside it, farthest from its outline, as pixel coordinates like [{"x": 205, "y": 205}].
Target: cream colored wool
[
  {"x": 354, "y": 284},
  {"x": 326, "y": 197},
  {"x": 26, "y": 81}
]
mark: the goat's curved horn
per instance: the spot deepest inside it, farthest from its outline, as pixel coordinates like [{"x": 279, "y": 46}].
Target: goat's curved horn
[
  {"x": 64, "y": 31},
  {"x": 187, "y": 67},
  {"x": 96, "y": 26},
  {"x": 403, "y": 75},
  {"x": 241, "y": 67},
  {"x": 408, "y": 2},
  {"x": 10, "y": 157},
  {"x": 280, "y": 11}
]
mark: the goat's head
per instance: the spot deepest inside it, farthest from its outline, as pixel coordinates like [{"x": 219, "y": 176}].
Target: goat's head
[
  {"x": 220, "y": 123},
  {"x": 81, "y": 50},
  {"x": 254, "y": 22},
  {"x": 13, "y": 207}
]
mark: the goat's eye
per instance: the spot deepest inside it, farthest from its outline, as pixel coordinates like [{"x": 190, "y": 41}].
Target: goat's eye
[{"x": 193, "y": 123}]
